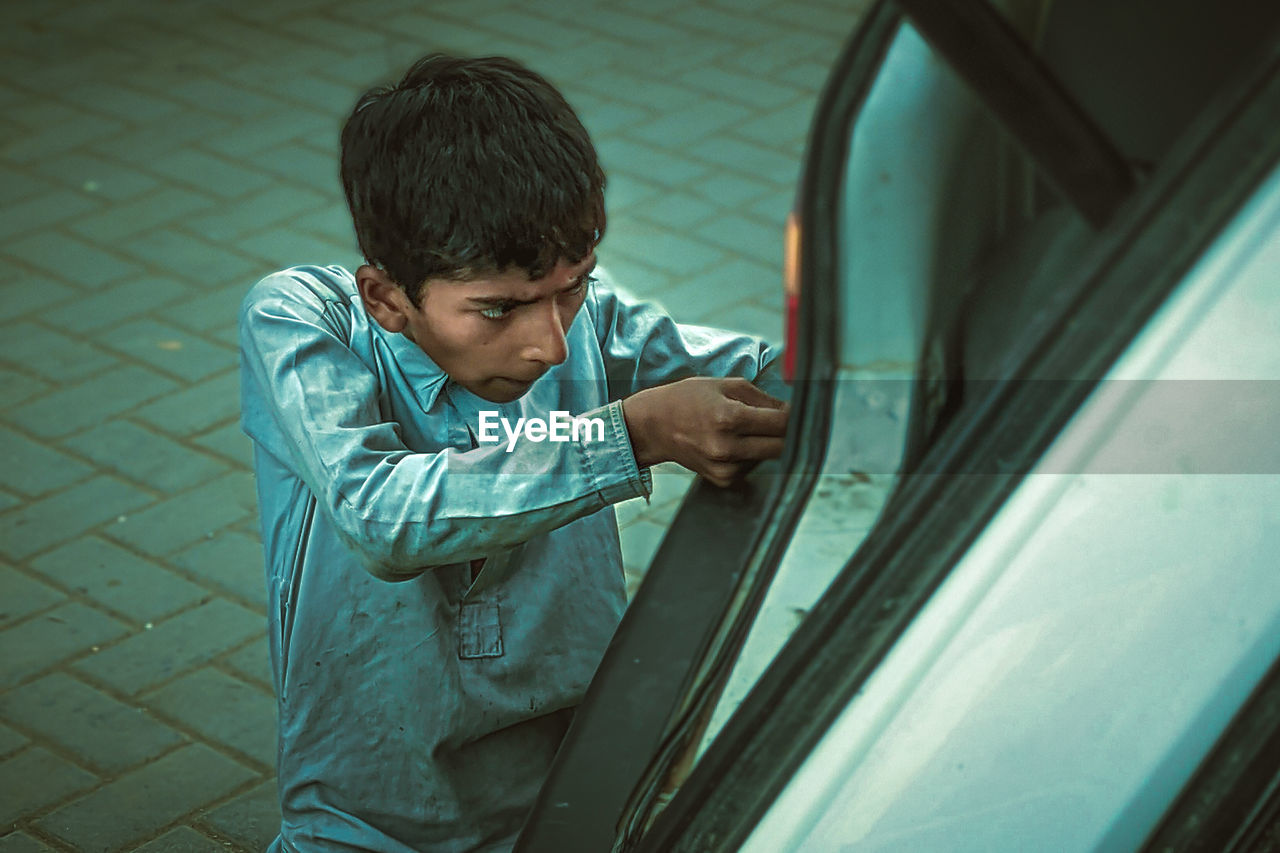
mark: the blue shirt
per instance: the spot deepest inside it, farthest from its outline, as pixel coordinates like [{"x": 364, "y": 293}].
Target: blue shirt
[{"x": 419, "y": 710}]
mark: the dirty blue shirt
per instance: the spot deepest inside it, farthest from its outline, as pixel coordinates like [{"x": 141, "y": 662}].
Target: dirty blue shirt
[{"x": 419, "y": 709}]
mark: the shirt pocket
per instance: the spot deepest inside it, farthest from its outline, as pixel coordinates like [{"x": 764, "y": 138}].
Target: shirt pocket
[{"x": 479, "y": 630}]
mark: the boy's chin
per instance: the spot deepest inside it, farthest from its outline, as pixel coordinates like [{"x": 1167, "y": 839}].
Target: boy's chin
[{"x": 499, "y": 390}]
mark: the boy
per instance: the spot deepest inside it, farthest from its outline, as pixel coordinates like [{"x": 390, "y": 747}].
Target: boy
[{"x": 438, "y": 601}]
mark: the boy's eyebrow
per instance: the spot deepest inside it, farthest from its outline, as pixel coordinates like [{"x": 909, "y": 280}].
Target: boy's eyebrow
[{"x": 508, "y": 301}]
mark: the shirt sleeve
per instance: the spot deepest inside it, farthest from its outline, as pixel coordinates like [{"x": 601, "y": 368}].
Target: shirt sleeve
[
  {"x": 312, "y": 402},
  {"x": 644, "y": 347}
]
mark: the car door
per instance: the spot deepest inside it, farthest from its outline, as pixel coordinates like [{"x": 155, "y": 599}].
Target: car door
[{"x": 966, "y": 285}]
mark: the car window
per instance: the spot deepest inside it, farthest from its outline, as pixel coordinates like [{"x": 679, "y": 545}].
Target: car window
[{"x": 995, "y": 263}]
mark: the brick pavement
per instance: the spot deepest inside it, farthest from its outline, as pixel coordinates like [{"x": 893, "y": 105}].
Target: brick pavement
[{"x": 158, "y": 157}]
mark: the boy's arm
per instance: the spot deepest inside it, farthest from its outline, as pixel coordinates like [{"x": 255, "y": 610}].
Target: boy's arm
[
  {"x": 687, "y": 390},
  {"x": 644, "y": 347},
  {"x": 403, "y": 511}
]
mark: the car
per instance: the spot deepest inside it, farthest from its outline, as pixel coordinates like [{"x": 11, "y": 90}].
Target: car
[{"x": 1014, "y": 584}]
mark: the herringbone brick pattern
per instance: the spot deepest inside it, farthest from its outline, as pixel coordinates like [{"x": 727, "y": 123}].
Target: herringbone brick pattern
[{"x": 157, "y": 157}]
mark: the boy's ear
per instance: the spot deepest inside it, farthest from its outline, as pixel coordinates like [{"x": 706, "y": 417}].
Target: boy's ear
[{"x": 385, "y": 302}]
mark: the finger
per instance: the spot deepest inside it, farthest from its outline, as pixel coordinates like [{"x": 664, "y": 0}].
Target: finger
[
  {"x": 754, "y": 420},
  {"x": 754, "y": 448},
  {"x": 737, "y": 388}
]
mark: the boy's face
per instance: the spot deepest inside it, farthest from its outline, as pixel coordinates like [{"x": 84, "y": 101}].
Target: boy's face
[{"x": 493, "y": 335}]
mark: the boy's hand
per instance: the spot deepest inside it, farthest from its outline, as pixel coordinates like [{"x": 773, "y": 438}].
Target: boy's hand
[{"x": 718, "y": 428}]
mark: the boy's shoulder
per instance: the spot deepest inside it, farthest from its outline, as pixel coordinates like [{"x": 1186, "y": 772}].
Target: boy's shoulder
[{"x": 301, "y": 286}]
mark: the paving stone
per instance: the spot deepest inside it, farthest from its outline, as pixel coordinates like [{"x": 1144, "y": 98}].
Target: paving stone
[
  {"x": 665, "y": 250},
  {"x": 21, "y": 596},
  {"x": 20, "y": 842},
  {"x": 300, "y": 164},
  {"x": 130, "y": 105},
  {"x": 652, "y": 164},
  {"x": 184, "y": 839},
  {"x": 435, "y": 33},
  {"x": 811, "y": 76},
  {"x": 691, "y": 123},
  {"x": 285, "y": 247},
  {"x": 624, "y": 191},
  {"x": 788, "y": 126},
  {"x": 748, "y": 158},
  {"x": 184, "y": 256},
  {"x": 316, "y": 92},
  {"x": 166, "y": 348},
  {"x": 611, "y": 118},
  {"x": 45, "y": 522},
  {"x": 739, "y": 24},
  {"x": 36, "y": 469},
  {"x": 747, "y": 89},
  {"x": 773, "y": 210},
  {"x": 331, "y": 222},
  {"x": 136, "y": 805},
  {"x": 33, "y": 295},
  {"x": 15, "y": 387},
  {"x": 671, "y": 58},
  {"x": 75, "y": 407},
  {"x": 746, "y": 237},
  {"x": 145, "y": 457},
  {"x": 670, "y": 482},
  {"x": 658, "y": 96},
  {"x": 96, "y": 175},
  {"x": 635, "y": 276},
  {"x": 85, "y": 721},
  {"x": 754, "y": 320},
  {"x": 230, "y": 443},
  {"x": 15, "y": 185},
  {"x": 230, "y": 562},
  {"x": 830, "y": 21},
  {"x": 536, "y": 30},
  {"x": 180, "y": 643},
  {"x": 639, "y": 542},
  {"x": 210, "y": 174},
  {"x": 11, "y": 741},
  {"x": 44, "y": 640},
  {"x": 772, "y": 57},
  {"x": 50, "y": 354},
  {"x": 155, "y": 139},
  {"x": 167, "y": 204},
  {"x": 217, "y": 308},
  {"x": 186, "y": 518},
  {"x": 196, "y": 408},
  {"x": 253, "y": 662},
  {"x": 222, "y": 709},
  {"x": 731, "y": 191},
  {"x": 60, "y": 137},
  {"x": 118, "y": 579},
  {"x": 322, "y": 30},
  {"x": 34, "y": 779},
  {"x": 675, "y": 210},
  {"x": 42, "y": 211},
  {"x": 251, "y": 820},
  {"x": 223, "y": 99},
  {"x": 267, "y": 208},
  {"x": 628, "y": 27},
  {"x": 121, "y": 302}
]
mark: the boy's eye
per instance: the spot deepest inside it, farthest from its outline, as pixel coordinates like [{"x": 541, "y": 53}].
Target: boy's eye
[
  {"x": 500, "y": 312},
  {"x": 497, "y": 312},
  {"x": 583, "y": 282}
]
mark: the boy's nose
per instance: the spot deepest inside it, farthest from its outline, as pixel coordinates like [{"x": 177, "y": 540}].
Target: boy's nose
[{"x": 547, "y": 344}]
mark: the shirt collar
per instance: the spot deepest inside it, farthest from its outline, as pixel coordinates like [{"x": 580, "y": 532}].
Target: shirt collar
[{"x": 420, "y": 373}]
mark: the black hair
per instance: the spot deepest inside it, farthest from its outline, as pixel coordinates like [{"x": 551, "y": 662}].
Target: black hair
[{"x": 468, "y": 167}]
